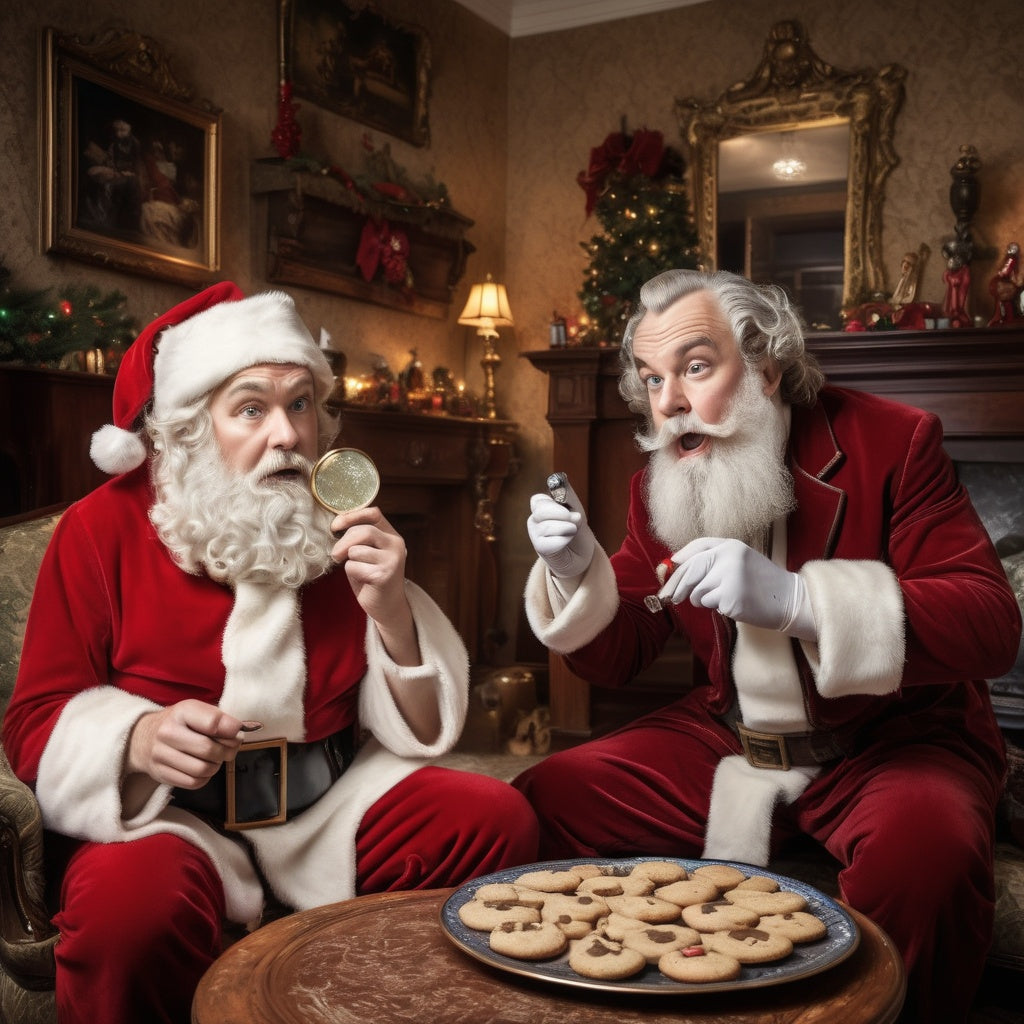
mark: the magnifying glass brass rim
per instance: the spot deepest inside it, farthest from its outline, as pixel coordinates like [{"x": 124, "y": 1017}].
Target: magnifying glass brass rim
[{"x": 360, "y": 480}]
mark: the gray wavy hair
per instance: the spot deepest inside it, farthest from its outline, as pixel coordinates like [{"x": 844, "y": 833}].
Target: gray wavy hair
[{"x": 764, "y": 323}]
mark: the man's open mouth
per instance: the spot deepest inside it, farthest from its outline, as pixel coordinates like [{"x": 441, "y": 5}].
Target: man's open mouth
[
  {"x": 691, "y": 442},
  {"x": 285, "y": 474}
]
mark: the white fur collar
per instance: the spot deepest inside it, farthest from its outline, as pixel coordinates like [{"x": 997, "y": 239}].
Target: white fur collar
[{"x": 265, "y": 660}]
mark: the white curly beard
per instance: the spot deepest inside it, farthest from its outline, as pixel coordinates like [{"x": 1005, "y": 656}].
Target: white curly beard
[
  {"x": 243, "y": 527},
  {"x": 737, "y": 489}
]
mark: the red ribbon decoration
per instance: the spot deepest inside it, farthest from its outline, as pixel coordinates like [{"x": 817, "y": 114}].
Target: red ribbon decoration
[
  {"x": 640, "y": 153},
  {"x": 383, "y": 247},
  {"x": 287, "y": 133}
]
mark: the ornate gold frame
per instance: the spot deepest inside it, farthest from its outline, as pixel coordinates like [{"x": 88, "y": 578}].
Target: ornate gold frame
[
  {"x": 87, "y": 82},
  {"x": 793, "y": 87},
  {"x": 329, "y": 51}
]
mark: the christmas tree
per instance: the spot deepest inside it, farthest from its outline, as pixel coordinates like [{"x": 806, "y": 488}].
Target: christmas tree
[
  {"x": 635, "y": 187},
  {"x": 40, "y": 330}
]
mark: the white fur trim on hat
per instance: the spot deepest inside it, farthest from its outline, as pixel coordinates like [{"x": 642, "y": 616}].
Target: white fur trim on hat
[
  {"x": 115, "y": 450},
  {"x": 202, "y": 352}
]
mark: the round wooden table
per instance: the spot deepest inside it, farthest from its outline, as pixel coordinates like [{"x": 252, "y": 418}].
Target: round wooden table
[{"x": 385, "y": 958}]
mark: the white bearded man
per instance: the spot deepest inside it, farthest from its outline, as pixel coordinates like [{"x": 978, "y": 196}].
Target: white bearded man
[
  {"x": 199, "y": 612},
  {"x": 844, "y": 605}
]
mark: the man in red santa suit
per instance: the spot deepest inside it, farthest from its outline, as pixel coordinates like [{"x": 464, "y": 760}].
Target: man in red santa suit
[
  {"x": 198, "y": 601},
  {"x": 843, "y": 602}
]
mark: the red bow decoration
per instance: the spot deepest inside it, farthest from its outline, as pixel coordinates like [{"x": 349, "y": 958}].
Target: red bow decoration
[
  {"x": 640, "y": 153},
  {"x": 383, "y": 247}
]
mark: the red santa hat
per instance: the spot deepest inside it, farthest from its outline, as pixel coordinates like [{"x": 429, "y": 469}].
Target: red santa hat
[{"x": 192, "y": 349}]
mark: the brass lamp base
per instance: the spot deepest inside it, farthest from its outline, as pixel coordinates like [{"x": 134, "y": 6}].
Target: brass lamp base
[{"x": 490, "y": 362}]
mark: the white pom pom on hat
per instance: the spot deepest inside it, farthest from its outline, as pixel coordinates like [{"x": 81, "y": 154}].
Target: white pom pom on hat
[
  {"x": 202, "y": 342},
  {"x": 116, "y": 450}
]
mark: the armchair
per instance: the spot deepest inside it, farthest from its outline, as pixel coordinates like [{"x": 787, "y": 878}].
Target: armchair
[{"x": 27, "y": 937}]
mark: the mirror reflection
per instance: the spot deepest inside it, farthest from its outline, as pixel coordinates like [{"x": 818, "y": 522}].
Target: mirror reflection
[
  {"x": 782, "y": 199},
  {"x": 816, "y": 231}
]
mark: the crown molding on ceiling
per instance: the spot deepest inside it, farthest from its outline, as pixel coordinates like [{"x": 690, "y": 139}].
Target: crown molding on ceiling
[{"x": 532, "y": 17}]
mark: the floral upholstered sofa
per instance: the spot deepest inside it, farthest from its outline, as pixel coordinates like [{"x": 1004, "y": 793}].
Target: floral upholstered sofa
[{"x": 27, "y": 938}]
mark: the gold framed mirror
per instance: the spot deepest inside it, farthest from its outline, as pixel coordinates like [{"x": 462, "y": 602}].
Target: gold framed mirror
[{"x": 791, "y": 92}]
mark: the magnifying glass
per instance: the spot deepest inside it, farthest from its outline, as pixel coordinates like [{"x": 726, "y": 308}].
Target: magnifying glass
[{"x": 344, "y": 479}]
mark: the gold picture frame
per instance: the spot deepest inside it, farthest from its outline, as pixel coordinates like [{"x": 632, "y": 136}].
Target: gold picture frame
[
  {"x": 129, "y": 164},
  {"x": 359, "y": 63}
]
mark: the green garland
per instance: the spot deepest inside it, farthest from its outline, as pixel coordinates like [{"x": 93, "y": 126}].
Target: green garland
[{"x": 40, "y": 330}]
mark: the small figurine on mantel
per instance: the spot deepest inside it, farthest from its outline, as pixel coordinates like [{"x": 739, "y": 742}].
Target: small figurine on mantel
[
  {"x": 964, "y": 195},
  {"x": 907, "y": 313},
  {"x": 910, "y": 276},
  {"x": 1005, "y": 289},
  {"x": 411, "y": 376},
  {"x": 558, "y": 335},
  {"x": 957, "y": 277}
]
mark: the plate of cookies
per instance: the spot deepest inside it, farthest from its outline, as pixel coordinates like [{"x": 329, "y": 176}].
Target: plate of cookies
[{"x": 645, "y": 924}]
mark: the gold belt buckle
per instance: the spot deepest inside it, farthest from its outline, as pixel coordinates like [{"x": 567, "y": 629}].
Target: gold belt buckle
[
  {"x": 764, "y": 749},
  {"x": 231, "y": 824}
]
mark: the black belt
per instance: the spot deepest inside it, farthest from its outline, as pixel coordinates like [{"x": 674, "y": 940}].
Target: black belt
[
  {"x": 270, "y": 781},
  {"x": 786, "y": 750}
]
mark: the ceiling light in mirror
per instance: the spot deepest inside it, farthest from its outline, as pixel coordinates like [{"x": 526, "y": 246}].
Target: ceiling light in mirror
[{"x": 812, "y": 156}]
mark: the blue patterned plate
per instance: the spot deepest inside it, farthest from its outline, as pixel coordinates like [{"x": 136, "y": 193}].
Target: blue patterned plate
[{"x": 806, "y": 959}]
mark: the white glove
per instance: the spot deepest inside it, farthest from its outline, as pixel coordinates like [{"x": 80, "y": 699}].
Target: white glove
[
  {"x": 742, "y": 584},
  {"x": 560, "y": 534}
]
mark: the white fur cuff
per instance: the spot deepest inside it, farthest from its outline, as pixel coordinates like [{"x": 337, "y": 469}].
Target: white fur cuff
[
  {"x": 858, "y": 609},
  {"x": 444, "y": 673},
  {"x": 565, "y": 625},
  {"x": 79, "y": 781}
]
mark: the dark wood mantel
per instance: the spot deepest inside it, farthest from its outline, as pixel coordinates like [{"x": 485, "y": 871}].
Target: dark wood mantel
[{"x": 972, "y": 379}]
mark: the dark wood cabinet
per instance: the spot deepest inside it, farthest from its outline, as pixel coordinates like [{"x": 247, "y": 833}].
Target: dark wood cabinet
[
  {"x": 47, "y": 418},
  {"x": 973, "y": 379},
  {"x": 441, "y": 478}
]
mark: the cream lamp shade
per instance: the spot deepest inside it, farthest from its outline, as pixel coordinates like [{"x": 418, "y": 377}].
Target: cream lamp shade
[{"x": 487, "y": 309}]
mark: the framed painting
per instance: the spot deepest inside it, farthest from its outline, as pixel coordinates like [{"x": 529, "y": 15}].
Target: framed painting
[
  {"x": 129, "y": 164},
  {"x": 358, "y": 63}
]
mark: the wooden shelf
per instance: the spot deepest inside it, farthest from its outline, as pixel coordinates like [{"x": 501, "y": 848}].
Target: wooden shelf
[
  {"x": 314, "y": 227},
  {"x": 971, "y": 378}
]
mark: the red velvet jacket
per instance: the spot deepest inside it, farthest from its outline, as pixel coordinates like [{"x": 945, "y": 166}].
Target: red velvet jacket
[
  {"x": 111, "y": 607},
  {"x": 872, "y": 482}
]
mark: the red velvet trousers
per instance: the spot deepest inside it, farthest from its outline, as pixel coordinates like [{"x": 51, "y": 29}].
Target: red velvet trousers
[
  {"x": 141, "y": 921},
  {"x": 911, "y": 827}
]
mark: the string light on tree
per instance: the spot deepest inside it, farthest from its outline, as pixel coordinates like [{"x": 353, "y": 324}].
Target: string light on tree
[{"x": 40, "y": 331}]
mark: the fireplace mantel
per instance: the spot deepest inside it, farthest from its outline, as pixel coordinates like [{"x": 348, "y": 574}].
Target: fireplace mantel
[{"x": 972, "y": 379}]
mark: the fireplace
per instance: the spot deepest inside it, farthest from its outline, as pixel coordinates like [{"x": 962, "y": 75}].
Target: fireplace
[{"x": 997, "y": 490}]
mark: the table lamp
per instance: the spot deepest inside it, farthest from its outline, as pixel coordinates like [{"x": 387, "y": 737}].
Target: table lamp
[{"x": 487, "y": 309}]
